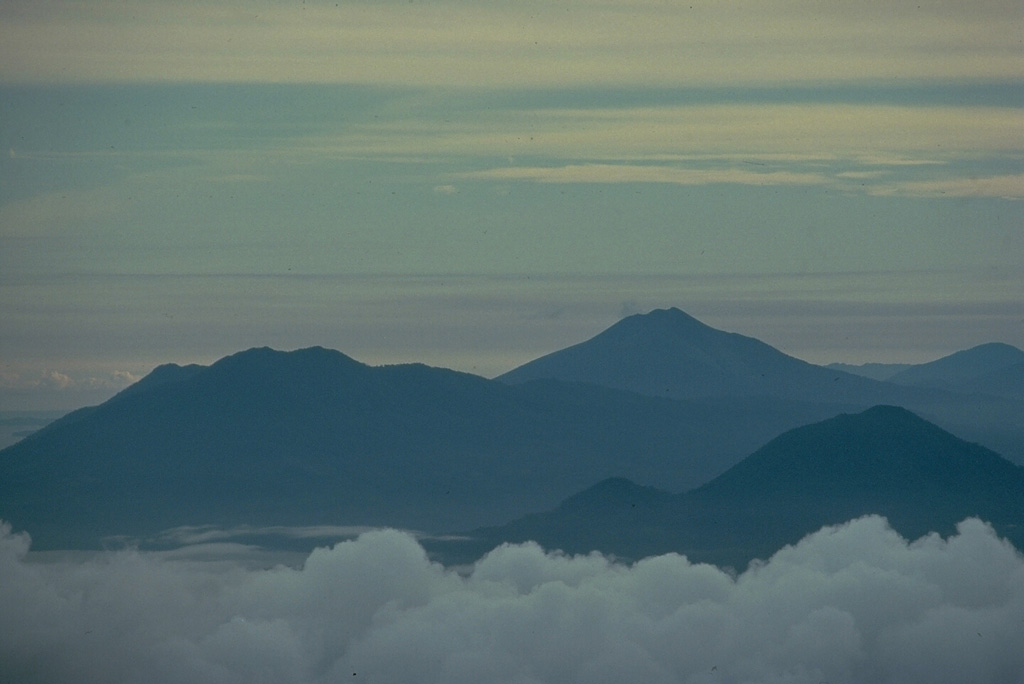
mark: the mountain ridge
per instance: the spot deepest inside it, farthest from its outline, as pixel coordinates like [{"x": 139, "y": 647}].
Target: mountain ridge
[
  {"x": 994, "y": 368},
  {"x": 269, "y": 437},
  {"x": 312, "y": 436},
  {"x": 920, "y": 477},
  {"x": 976, "y": 369},
  {"x": 668, "y": 353}
]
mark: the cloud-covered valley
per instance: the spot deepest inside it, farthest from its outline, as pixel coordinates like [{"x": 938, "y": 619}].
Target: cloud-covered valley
[{"x": 854, "y": 603}]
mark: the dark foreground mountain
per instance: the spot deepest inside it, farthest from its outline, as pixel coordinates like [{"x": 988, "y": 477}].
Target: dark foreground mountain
[
  {"x": 668, "y": 353},
  {"x": 314, "y": 437},
  {"x": 885, "y": 460}
]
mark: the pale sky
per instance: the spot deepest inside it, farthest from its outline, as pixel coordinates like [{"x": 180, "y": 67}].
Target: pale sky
[{"x": 474, "y": 184}]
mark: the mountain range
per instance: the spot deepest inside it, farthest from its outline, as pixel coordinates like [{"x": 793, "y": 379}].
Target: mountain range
[
  {"x": 668, "y": 353},
  {"x": 993, "y": 368},
  {"x": 884, "y": 460},
  {"x": 314, "y": 437},
  {"x": 304, "y": 437}
]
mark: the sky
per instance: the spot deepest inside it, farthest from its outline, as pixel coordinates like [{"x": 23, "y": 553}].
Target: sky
[
  {"x": 848, "y": 604},
  {"x": 472, "y": 184}
]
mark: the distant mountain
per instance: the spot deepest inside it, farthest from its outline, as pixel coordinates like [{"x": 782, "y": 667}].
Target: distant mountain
[
  {"x": 313, "y": 437},
  {"x": 885, "y": 460},
  {"x": 668, "y": 353},
  {"x": 993, "y": 368},
  {"x": 875, "y": 371},
  {"x": 1007, "y": 382},
  {"x": 264, "y": 437}
]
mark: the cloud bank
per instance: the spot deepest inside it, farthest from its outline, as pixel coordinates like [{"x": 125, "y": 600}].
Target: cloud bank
[{"x": 854, "y": 603}]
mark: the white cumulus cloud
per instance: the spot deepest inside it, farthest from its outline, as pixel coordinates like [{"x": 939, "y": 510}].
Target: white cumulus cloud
[{"x": 854, "y": 603}]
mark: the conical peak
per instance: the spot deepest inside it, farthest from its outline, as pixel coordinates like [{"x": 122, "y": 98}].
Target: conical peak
[
  {"x": 670, "y": 316},
  {"x": 659, "y": 324},
  {"x": 883, "y": 447}
]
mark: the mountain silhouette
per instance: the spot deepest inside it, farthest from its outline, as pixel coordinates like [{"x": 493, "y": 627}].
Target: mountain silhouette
[
  {"x": 315, "y": 437},
  {"x": 884, "y": 460},
  {"x": 668, "y": 353},
  {"x": 994, "y": 368}
]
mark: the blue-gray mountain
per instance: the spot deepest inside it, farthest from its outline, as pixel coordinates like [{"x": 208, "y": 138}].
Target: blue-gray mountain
[
  {"x": 993, "y": 368},
  {"x": 885, "y": 460},
  {"x": 668, "y": 353},
  {"x": 875, "y": 371},
  {"x": 313, "y": 437}
]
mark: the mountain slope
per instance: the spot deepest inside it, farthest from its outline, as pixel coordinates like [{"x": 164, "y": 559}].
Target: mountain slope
[
  {"x": 972, "y": 369},
  {"x": 1007, "y": 382},
  {"x": 314, "y": 437},
  {"x": 875, "y": 371},
  {"x": 884, "y": 460},
  {"x": 668, "y": 353}
]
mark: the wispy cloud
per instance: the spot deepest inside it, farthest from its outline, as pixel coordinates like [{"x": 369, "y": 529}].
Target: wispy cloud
[
  {"x": 206, "y": 534},
  {"x": 1004, "y": 187},
  {"x": 627, "y": 173},
  {"x": 890, "y": 134},
  {"x": 208, "y": 539},
  {"x": 870, "y": 182}
]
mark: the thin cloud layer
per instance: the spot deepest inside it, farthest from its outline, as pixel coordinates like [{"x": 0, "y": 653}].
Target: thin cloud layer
[
  {"x": 854, "y": 603},
  {"x": 528, "y": 43},
  {"x": 630, "y": 173},
  {"x": 1009, "y": 187},
  {"x": 889, "y": 135},
  {"x": 1003, "y": 187}
]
